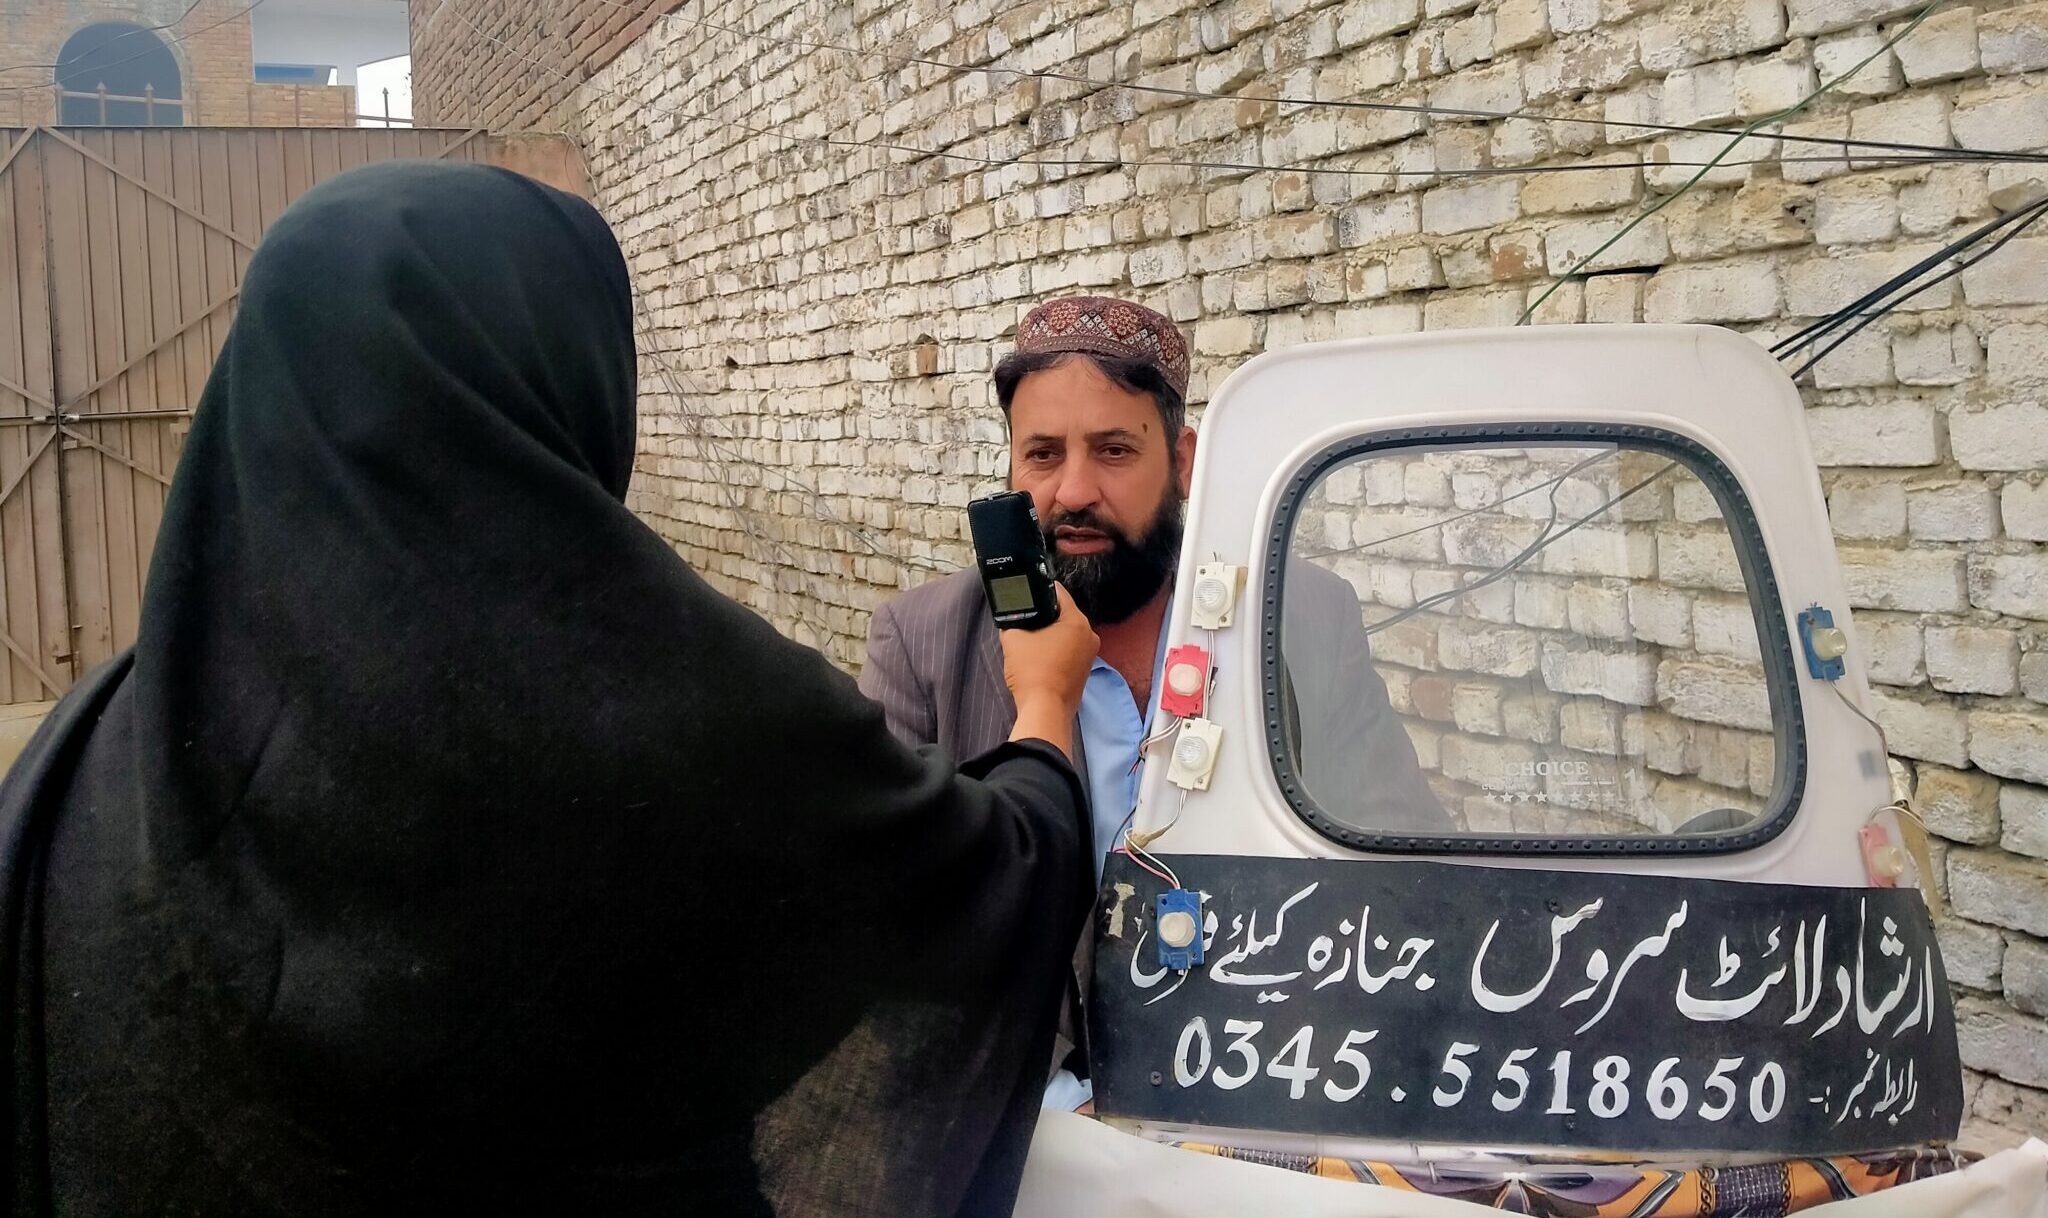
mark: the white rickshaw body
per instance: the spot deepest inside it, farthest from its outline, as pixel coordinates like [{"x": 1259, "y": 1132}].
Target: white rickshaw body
[{"x": 1513, "y": 828}]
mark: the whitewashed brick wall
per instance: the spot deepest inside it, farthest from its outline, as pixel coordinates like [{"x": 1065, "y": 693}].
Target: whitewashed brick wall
[
  {"x": 1624, "y": 652},
  {"x": 824, "y": 315}
]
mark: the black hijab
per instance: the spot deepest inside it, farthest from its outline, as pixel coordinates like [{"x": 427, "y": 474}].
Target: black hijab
[{"x": 446, "y": 844}]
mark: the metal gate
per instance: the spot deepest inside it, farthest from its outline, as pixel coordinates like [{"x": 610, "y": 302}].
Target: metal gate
[{"x": 122, "y": 252}]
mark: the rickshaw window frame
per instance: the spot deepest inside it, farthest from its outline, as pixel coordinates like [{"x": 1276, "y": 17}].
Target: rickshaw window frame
[{"x": 1774, "y": 643}]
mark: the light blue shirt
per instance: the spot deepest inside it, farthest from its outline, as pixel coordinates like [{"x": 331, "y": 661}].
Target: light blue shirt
[{"x": 1113, "y": 726}]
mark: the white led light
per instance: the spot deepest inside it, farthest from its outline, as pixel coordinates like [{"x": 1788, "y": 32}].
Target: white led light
[
  {"x": 1195, "y": 749},
  {"x": 1214, "y": 595},
  {"x": 1177, "y": 929},
  {"x": 1184, "y": 679},
  {"x": 1829, "y": 643}
]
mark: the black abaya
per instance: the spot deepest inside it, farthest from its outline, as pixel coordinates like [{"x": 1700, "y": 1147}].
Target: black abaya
[{"x": 447, "y": 845}]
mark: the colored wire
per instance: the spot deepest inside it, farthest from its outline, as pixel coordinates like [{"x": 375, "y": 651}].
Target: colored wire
[
  {"x": 1134, "y": 855},
  {"x": 1146, "y": 839}
]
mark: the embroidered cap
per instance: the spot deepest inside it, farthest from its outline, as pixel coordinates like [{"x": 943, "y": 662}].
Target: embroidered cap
[{"x": 1103, "y": 325}]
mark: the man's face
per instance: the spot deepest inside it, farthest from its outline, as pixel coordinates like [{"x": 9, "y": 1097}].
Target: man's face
[{"x": 1108, "y": 483}]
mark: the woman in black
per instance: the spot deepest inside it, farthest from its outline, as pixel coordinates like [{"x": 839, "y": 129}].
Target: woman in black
[{"x": 445, "y": 844}]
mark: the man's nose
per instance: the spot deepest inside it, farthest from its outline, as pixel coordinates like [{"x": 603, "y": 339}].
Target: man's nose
[{"x": 1078, "y": 487}]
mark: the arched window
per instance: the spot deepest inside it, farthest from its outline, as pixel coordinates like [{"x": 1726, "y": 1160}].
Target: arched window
[{"x": 131, "y": 66}]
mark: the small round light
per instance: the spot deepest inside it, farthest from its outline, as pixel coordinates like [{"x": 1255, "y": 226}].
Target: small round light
[
  {"x": 1177, "y": 929},
  {"x": 1184, "y": 679},
  {"x": 1192, "y": 754},
  {"x": 1829, "y": 643},
  {"x": 1888, "y": 862},
  {"x": 1211, "y": 594}
]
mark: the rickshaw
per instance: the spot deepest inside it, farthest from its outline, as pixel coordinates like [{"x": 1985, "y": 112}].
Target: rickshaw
[{"x": 1513, "y": 831}]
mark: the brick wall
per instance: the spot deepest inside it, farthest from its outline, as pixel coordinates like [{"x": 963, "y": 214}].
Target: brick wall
[
  {"x": 823, "y": 316},
  {"x": 299, "y": 106},
  {"x": 1626, "y": 648},
  {"x": 481, "y": 63},
  {"x": 211, "y": 44}
]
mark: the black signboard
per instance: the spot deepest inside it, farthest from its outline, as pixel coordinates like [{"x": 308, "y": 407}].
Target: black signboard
[{"x": 1504, "y": 1007}]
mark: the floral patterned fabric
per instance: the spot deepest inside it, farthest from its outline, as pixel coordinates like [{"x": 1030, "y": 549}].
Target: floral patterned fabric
[{"x": 1764, "y": 1190}]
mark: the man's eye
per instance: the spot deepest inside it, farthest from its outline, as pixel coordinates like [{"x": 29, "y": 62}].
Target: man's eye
[
  {"x": 1040, "y": 454},
  {"x": 1117, "y": 452}
]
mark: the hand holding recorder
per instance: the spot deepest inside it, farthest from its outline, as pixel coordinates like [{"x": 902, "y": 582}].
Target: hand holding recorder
[{"x": 1047, "y": 642}]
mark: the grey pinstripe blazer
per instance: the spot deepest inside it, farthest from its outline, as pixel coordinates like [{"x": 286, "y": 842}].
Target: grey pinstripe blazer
[
  {"x": 936, "y": 667},
  {"x": 934, "y": 664}
]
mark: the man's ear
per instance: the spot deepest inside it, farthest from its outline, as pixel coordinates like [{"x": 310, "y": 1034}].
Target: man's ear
[{"x": 1184, "y": 459}]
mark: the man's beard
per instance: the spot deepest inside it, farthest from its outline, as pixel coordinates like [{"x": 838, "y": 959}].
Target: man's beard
[{"x": 1111, "y": 586}]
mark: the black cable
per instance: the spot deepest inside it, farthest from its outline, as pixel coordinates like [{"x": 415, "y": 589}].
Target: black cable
[
  {"x": 1450, "y": 520},
  {"x": 1936, "y": 154},
  {"x": 147, "y": 29},
  {"x": 995, "y": 69},
  {"x": 1816, "y": 330},
  {"x": 153, "y": 29},
  {"x": 2037, "y": 211},
  {"x": 1542, "y": 542}
]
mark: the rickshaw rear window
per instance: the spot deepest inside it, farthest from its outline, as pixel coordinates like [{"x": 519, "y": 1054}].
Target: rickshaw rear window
[{"x": 1552, "y": 639}]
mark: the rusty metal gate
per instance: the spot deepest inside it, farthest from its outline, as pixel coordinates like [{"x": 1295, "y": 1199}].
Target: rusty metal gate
[{"x": 121, "y": 255}]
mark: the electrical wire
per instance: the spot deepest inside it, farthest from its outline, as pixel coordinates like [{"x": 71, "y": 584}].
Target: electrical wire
[
  {"x": 1809, "y": 333},
  {"x": 1145, "y": 745},
  {"x": 1450, "y": 520},
  {"x": 1932, "y": 154},
  {"x": 1125, "y": 827},
  {"x": 1131, "y": 836},
  {"x": 1884, "y": 745},
  {"x": 123, "y": 36},
  {"x": 820, "y": 635},
  {"x": 1122, "y": 837},
  {"x": 701, "y": 421},
  {"x": 1901, "y": 805},
  {"x": 1720, "y": 159},
  {"x": 1138, "y": 855},
  {"x": 1542, "y": 542},
  {"x": 152, "y": 29},
  {"x": 2031, "y": 214},
  {"x": 1883, "y": 741},
  {"x": 1143, "y": 856},
  {"x": 1180, "y": 807},
  {"x": 1292, "y": 101},
  {"x": 1792, "y": 111}
]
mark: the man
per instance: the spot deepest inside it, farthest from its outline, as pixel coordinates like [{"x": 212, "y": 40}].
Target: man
[{"x": 1094, "y": 395}]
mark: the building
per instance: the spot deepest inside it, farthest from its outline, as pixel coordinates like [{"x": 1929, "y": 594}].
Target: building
[{"x": 214, "y": 63}]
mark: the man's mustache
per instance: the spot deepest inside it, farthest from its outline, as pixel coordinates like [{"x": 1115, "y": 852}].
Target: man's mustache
[{"x": 1084, "y": 519}]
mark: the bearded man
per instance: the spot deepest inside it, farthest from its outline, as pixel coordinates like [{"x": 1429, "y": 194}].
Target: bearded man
[{"x": 1095, "y": 399}]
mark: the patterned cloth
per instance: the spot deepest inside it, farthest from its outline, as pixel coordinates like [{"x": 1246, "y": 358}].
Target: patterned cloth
[
  {"x": 1107, "y": 326},
  {"x": 1562, "y": 1190}
]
